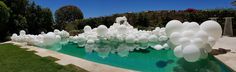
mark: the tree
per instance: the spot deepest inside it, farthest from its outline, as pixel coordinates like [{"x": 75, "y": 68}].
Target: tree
[
  {"x": 4, "y": 16},
  {"x": 142, "y": 20},
  {"x": 233, "y": 3},
  {"x": 46, "y": 19},
  {"x": 24, "y": 15},
  {"x": 67, "y": 14},
  {"x": 17, "y": 20},
  {"x": 4, "y": 12},
  {"x": 39, "y": 19}
]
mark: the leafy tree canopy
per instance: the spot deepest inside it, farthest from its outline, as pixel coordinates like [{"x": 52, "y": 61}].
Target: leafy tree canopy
[{"x": 67, "y": 14}]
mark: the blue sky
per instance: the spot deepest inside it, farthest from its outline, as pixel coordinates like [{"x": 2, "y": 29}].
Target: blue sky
[{"x": 95, "y": 8}]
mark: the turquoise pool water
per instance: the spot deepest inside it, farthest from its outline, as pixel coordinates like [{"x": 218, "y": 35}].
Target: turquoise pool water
[{"x": 149, "y": 60}]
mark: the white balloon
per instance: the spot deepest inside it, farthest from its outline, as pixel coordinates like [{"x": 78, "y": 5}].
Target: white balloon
[
  {"x": 203, "y": 35},
  {"x": 163, "y": 38},
  {"x": 121, "y": 37},
  {"x": 184, "y": 41},
  {"x": 171, "y": 45},
  {"x": 122, "y": 29},
  {"x": 102, "y": 30},
  {"x": 174, "y": 38},
  {"x": 92, "y": 37},
  {"x": 157, "y": 28},
  {"x": 22, "y": 32},
  {"x": 50, "y": 38},
  {"x": 173, "y": 26},
  {"x": 56, "y": 31},
  {"x": 204, "y": 54},
  {"x": 162, "y": 31},
  {"x": 178, "y": 51},
  {"x": 152, "y": 38},
  {"x": 87, "y": 29},
  {"x": 191, "y": 53},
  {"x": 156, "y": 32},
  {"x": 130, "y": 39},
  {"x": 207, "y": 47},
  {"x": 213, "y": 28},
  {"x": 143, "y": 39},
  {"x": 185, "y": 23},
  {"x": 188, "y": 33},
  {"x": 198, "y": 42},
  {"x": 14, "y": 37},
  {"x": 58, "y": 38},
  {"x": 158, "y": 47},
  {"x": 90, "y": 41},
  {"x": 211, "y": 41},
  {"x": 194, "y": 26},
  {"x": 119, "y": 19},
  {"x": 81, "y": 38},
  {"x": 42, "y": 32},
  {"x": 64, "y": 34},
  {"x": 166, "y": 46}
]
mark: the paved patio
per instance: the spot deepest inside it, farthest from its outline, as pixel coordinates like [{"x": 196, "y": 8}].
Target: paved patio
[{"x": 229, "y": 58}]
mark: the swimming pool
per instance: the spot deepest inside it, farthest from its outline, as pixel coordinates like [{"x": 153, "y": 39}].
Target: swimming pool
[{"x": 148, "y": 60}]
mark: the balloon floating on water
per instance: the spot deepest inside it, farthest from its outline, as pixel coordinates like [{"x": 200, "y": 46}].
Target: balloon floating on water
[{"x": 190, "y": 40}]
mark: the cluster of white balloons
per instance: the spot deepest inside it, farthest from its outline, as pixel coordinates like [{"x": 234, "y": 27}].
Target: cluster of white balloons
[
  {"x": 193, "y": 41},
  {"x": 121, "y": 37},
  {"x": 42, "y": 40}
]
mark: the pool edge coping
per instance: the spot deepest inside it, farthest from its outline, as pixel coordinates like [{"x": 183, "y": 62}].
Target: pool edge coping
[
  {"x": 221, "y": 59},
  {"x": 228, "y": 59}
]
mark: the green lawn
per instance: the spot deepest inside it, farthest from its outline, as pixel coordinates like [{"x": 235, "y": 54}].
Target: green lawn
[{"x": 15, "y": 59}]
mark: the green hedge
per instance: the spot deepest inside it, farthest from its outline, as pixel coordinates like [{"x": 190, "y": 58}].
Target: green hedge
[{"x": 151, "y": 19}]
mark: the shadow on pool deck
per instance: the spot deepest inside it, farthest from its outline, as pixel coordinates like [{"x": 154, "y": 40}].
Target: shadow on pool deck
[{"x": 229, "y": 58}]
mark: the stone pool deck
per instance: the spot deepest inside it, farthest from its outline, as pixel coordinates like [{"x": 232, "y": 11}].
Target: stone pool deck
[
  {"x": 229, "y": 58},
  {"x": 67, "y": 59}
]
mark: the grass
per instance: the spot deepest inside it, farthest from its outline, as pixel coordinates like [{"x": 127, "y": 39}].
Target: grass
[{"x": 15, "y": 59}]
